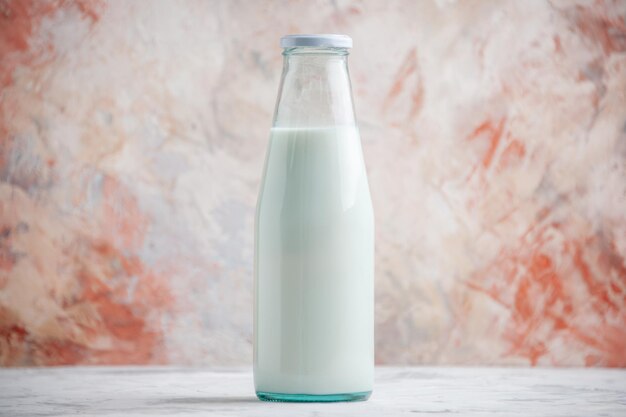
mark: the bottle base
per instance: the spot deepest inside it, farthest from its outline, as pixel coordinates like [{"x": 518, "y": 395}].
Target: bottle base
[{"x": 309, "y": 398}]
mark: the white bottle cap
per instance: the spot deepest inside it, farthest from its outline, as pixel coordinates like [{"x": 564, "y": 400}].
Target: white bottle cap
[{"x": 330, "y": 41}]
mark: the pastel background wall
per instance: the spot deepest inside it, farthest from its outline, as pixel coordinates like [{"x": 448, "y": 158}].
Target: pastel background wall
[{"x": 132, "y": 138}]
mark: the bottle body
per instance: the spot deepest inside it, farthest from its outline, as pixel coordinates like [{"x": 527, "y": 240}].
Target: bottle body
[{"x": 314, "y": 258}]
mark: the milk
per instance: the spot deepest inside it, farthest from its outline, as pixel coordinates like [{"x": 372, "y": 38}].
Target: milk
[{"x": 314, "y": 265}]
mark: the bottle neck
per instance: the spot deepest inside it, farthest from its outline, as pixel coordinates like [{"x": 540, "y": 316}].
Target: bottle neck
[{"x": 315, "y": 89}]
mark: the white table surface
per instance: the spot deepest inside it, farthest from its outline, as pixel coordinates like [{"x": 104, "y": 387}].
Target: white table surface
[{"x": 168, "y": 391}]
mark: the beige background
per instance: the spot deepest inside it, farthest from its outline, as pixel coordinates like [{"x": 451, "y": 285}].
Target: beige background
[{"x": 132, "y": 137}]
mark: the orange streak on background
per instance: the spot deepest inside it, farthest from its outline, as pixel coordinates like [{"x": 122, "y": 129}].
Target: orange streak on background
[
  {"x": 408, "y": 69},
  {"x": 493, "y": 134},
  {"x": 512, "y": 153},
  {"x": 541, "y": 299},
  {"x": 602, "y": 26}
]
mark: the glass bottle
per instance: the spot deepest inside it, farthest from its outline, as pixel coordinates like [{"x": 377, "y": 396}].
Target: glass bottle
[{"x": 314, "y": 243}]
